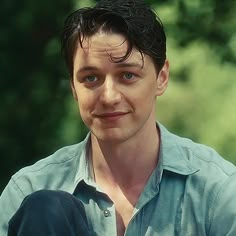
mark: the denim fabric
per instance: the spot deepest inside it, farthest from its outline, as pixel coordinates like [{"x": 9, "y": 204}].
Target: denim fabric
[
  {"x": 191, "y": 192},
  {"x": 49, "y": 212}
]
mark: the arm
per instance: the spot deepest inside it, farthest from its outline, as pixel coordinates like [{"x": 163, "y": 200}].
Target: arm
[
  {"x": 223, "y": 210},
  {"x": 10, "y": 201}
]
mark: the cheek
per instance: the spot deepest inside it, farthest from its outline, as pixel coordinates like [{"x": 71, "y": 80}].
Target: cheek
[
  {"x": 84, "y": 108},
  {"x": 86, "y": 101},
  {"x": 143, "y": 95}
]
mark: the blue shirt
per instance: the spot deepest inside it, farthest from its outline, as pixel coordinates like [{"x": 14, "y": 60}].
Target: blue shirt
[{"x": 191, "y": 192}]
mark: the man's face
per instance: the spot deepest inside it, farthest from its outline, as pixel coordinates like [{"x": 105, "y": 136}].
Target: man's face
[{"x": 116, "y": 100}]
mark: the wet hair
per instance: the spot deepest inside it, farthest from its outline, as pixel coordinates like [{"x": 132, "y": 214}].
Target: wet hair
[{"x": 134, "y": 19}]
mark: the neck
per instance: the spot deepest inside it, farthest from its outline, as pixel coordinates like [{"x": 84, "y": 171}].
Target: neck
[{"x": 126, "y": 163}]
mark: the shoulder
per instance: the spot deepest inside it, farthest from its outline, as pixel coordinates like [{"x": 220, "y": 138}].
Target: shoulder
[
  {"x": 210, "y": 183},
  {"x": 56, "y": 171},
  {"x": 205, "y": 158},
  {"x": 63, "y": 155},
  {"x": 56, "y": 160},
  {"x": 200, "y": 157}
]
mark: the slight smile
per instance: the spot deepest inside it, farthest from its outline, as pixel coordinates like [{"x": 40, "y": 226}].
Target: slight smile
[{"x": 111, "y": 116}]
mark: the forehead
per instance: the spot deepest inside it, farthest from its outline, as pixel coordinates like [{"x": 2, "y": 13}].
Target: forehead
[{"x": 106, "y": 45}]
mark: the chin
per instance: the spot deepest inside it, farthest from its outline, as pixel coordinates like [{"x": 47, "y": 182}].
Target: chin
[{"x": 111, "y": 136}]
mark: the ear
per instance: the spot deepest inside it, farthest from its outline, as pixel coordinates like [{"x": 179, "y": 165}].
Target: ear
[
  {"x": 163, "y": 79},
  {"x": 73, "y": 90}
]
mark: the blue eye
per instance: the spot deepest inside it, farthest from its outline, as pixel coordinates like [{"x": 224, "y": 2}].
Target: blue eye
[
  {"x": 128, "y": 76},
  {"x": 91, "y": 78}
]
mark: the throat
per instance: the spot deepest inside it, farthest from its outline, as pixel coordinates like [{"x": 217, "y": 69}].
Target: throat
[{"x": 125, "y": 163}]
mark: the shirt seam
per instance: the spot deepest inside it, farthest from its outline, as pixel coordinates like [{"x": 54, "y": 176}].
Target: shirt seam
[
  {"x": 215, "y": 199},
  {"x": 15, "y": 178},
  {"x": 210, "y": 161},
  {"x": 178, "y": 142},
  {"x": 18, "y": 188}
]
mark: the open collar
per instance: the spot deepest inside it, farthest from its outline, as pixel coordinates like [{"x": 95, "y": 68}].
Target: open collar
[
  {"x": 172, "y": 157},
  {"x": 173, "y": 153}
]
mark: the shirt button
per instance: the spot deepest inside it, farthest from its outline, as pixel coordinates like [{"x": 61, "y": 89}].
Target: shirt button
[{"x": 106, "y": 213}]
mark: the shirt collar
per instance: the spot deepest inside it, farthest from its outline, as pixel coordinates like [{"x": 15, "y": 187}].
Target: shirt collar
[
  {"x": 84, "y": 170},
  {"x": 171, "y": 158},
  {"x": 173, "y": 153}
]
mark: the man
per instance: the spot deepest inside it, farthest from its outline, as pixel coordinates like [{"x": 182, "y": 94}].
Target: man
[{"x": 130, "y": 176}]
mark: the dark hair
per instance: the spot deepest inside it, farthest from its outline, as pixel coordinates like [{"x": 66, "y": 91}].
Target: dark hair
[{"x": 134, "y": 19}]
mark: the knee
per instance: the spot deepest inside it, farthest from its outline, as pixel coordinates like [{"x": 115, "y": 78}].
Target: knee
[
  {"x": 49, "y": 211},
  {"x": 51, "y": 196},
  {"x": 48, "y": 201}
]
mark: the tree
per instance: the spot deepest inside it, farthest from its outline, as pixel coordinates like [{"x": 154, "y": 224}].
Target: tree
[
  {"x": 201, "y": 97},
  {"x": 34, "y": 85}
]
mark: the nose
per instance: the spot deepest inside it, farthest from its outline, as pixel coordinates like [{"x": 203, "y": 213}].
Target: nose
[{"x": 110, "y": 94}]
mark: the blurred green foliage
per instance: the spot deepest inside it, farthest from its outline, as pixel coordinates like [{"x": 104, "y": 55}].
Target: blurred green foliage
[
  {"x": 201, "y": 99},
  {"x": 38, "y": 114}
]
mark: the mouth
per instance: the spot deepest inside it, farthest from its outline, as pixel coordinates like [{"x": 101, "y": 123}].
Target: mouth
[{"x": 111, "y": 116}]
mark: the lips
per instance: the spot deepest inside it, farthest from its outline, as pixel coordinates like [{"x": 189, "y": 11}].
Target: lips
[{"x": 111, "y": 115}]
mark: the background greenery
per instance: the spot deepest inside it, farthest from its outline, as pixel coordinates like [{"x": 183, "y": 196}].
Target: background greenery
[{"x": 38, "y": 114}]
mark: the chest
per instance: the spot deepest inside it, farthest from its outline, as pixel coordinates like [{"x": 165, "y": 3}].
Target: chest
[
  {"x": 124, "y": 204},
  {"x": 169, "y": 210},
  {"x": 123, "y": 215},
  {"x": 154, "y": 216}
]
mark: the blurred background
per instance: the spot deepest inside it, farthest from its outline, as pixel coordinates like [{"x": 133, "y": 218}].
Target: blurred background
[{"x": 38, "y": 114}]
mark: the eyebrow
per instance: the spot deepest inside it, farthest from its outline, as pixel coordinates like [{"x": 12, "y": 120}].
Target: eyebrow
[
  {"x": 86, "y": 68},
  {"x": 120, "y": 65}
]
